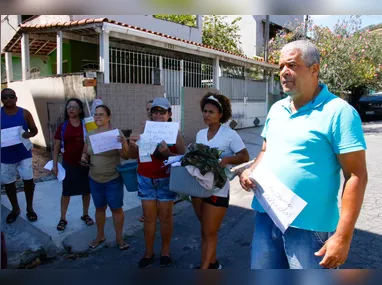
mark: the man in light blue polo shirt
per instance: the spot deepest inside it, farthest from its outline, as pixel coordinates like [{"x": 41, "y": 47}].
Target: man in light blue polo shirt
[{"x": 309, "y": 137}]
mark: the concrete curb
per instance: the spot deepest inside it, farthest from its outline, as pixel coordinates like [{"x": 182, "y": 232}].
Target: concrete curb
[{"x": 25, "y": 242}]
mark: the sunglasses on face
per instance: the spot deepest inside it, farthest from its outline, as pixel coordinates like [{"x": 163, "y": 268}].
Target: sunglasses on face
[
  {"x": 72, "y": 108},
  {"x": 159, "y": 111},
  {"x": 10, "y": 96}
]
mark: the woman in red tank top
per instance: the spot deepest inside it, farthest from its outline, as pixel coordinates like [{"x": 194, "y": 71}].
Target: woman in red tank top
[{"x": 153, "y": 187}]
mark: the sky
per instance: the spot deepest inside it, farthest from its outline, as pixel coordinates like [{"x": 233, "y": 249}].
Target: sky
[{"x": 331, "y": 20}]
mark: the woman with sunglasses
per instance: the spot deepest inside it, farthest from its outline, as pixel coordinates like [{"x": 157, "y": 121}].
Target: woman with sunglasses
[
  {"x": 69, "y": 140},
  {"x": 106, "y": 183},
  {"x": 153, "y": 187},
  {"x": 210, "y": 212}
]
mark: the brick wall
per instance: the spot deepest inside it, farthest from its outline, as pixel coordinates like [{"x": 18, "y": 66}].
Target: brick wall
[
  {"x": 127, "y": 102},
  {"x": 193, "y": 118}
]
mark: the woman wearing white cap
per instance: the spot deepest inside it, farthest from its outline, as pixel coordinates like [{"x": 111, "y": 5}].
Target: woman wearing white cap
[
  {"x": 210, "y": 211},
  {"x": 153, "y": 186}
]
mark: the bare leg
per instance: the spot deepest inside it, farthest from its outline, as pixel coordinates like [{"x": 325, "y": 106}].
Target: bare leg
[
  {"x": 29, "y": 191},
  {"x": 85, "y": 204},
  {"x": 10, "y": 189},
  {"x": 211, "y": 221},
  {"x": 150, "y": 212},
  {"x": 118, "y": 219},
  {"x": 64, "y": 206},
  {"x": 166, "y": 225}
]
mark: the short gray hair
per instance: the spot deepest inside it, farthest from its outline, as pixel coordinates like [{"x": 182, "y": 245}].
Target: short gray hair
[{"x": 309, "y": 53}]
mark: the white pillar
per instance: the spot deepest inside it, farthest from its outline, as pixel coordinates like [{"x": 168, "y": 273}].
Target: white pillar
[
  {"x": 9, "y": 66},
  {"x": 217, "y": 73},
  {"x": 272, "y": 83},
  {"x": 161, "y": 79},
  {"x": 59, "y": 52},
  {"x": 104, "y": 56},
  {"x": 266, "y": 93},
  {"x": 25, "y": 61},
  {"x": 199, "y": 21}
]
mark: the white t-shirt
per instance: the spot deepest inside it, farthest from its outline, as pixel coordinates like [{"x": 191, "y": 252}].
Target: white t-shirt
[{"x": 226, "y": 140}]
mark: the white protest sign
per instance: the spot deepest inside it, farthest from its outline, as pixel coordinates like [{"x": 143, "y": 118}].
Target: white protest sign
[
  {"x": 105, "y": 141},
  {"x": 281, "y": 204},
  {"x": 61, "y": 170},
  {"x": 10, "y": 136},
  {"x": 161, "y": 131}
]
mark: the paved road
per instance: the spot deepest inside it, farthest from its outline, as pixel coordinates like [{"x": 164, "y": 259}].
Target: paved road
[{"x": 236, "y": 231}]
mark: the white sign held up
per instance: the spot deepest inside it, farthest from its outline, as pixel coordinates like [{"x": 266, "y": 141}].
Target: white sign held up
[
  {"x": 162, "y": 131},
  {"x": 105, "y": 141},
  {"x": 281, "y": 204},
  {"x": 10, "y": 136}
]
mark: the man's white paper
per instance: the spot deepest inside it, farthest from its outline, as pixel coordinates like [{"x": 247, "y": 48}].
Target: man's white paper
[
  {"x": 281, "y": 204},
  {"x": 26, "y": 142},
  {"x": 10, "y": 136},
  {"x": 61, "y": 171},
  {"x": 105, "y": 141},
  {"x": 162, "y": 131}
]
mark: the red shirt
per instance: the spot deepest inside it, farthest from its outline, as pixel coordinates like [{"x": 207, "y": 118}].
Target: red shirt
[
  {"x": 154, "y": 168},
  {"x": 73, "y": 143}
]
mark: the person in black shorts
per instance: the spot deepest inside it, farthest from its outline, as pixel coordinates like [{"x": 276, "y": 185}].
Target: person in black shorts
[{"x": 210, "y": 211}]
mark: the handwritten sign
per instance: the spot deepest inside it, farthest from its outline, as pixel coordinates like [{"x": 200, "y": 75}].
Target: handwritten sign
[
  {"x": 10, "y": 136},
  {"x": 161, "y": 131},
  {"x": 105, "y": 141},
  {"x": 281, "y": 204}
]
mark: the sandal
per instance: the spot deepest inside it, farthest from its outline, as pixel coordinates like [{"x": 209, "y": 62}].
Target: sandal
[
  {"x": 32, "y": 216},
  {"x": 61, "y": 225},
  {"x": 123, "y": 246},
  {"x": 87, "y": 220},
  {"x": 12, "y": 217},
  {"x": 94, "y": 245}
]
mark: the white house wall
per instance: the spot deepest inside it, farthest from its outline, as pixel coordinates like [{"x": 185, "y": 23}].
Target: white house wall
[
  {"x": 245, "y": 113},
  {"x": 151, "y": 23},
  {"x": 8, "y": 28},
  {"x": 251, "y": 30}
]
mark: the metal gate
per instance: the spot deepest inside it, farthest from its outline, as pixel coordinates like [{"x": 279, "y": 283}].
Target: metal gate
[{"x": 56, "y": 113}]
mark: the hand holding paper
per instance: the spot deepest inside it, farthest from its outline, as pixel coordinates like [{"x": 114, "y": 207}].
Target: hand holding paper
[
  {"x": 61, "y": 171},
  {"x": 281, "y": 204},
  {"x": 105, "y": 141}
]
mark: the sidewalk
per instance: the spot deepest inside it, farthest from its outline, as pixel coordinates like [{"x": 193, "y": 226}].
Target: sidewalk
[{"x": 42, "y": 236}]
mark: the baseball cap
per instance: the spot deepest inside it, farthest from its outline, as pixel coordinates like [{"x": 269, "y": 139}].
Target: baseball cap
[{"x": 161, "y": 102}]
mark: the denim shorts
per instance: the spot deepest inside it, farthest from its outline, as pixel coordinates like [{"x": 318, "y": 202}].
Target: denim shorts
[
  {"x": 109, "y": 193},
  {"x": 271, "y": 249},
  {"x": 155, "y": 189}
]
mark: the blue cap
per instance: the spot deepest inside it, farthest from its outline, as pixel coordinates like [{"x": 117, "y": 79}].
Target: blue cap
[{"x": 161, "y": 102}]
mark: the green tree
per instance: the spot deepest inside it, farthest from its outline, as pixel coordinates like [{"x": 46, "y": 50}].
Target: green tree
[
  {"x": 220, "y": 34},
  {"x": 217, "y": 32},
  {"x": 187, "y": 20},
  {"x": 350, "y": 57}
]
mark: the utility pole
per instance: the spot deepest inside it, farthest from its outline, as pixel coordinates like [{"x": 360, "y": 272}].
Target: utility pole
[
  {"x": 266, "y": 38},
  {"x": 266, "y": 60},
  {"x": 306, "y": 26}
]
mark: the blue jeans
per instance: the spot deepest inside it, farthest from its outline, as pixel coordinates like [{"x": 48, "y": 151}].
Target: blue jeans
[
  {"x": 155, "y": 189},
  {"x": 271, "y": 249},
  {"x": 108, "y": 193}
]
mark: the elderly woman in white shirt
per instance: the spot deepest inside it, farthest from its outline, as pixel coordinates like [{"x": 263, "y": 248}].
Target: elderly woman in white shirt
[{"x": 216, "y": 110}]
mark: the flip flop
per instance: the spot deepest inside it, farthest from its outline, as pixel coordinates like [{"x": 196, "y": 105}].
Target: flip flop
[
  {"x": 95, "y": 245},
  {"x": 12, "y": 217},
  {"x": 124, "y": 246}
]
